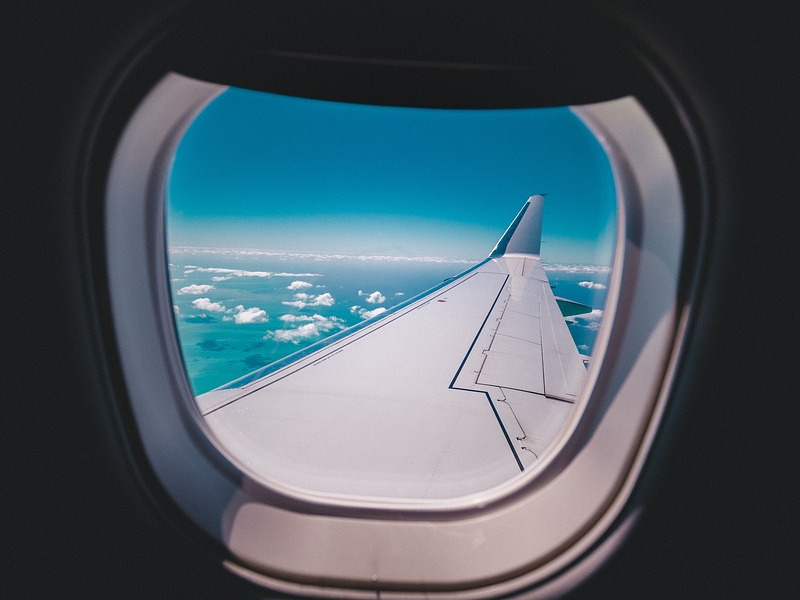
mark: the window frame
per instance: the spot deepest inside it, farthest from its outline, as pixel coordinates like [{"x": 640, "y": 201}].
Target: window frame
[{"x": 475, "y": 539}]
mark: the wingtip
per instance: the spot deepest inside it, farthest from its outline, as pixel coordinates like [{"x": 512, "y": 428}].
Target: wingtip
[{"x": 524, "y": 235}]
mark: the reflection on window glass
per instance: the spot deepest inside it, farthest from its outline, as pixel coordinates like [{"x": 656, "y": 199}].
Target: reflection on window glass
[{"x": 300, "y": 233}]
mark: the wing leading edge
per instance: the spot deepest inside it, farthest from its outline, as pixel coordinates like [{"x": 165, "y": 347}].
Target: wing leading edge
[{"x": 452, "y": 394}]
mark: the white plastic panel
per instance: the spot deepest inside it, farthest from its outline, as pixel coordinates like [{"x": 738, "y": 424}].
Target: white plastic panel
[{"x": 500, "y": 541}]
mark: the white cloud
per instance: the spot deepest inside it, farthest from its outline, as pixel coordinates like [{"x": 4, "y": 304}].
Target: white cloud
[
  {"x": 301, "y": 300},
  {"x": 176, "y": 309},
  {"x": 590, "y": 320},
  {"x": 298, "y": 285},
  {"x": 305, "y": 318},
  {"x": 399, "y": 294},
  {"x": 221, "y": 278},
  {"x": 245, "y": 316},
  {"x": 324, "y": 300},
  {"x": 294, "y": 335},
  {"x": 315, "y": 328},
  {"x": 367, "y": 314},
  {"x": 374, "y": 298},
  {"x": 195, "y": 289},
  {"x": 295, "y": 318},
  {"x": 207, "y": 304},
  {"x": 592, "y": 285}
]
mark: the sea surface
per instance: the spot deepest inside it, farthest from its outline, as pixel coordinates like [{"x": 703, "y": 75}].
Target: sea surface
[{"x": 239, "y": 310}]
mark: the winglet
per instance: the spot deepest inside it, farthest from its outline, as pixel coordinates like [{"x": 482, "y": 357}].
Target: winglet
[{"x": 524, "y": 235}]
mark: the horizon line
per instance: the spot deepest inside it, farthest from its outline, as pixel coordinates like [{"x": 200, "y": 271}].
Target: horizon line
[{"x": 362, "y": 256}]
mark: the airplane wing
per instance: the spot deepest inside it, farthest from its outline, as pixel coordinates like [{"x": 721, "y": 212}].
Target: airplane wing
[{"x": 452, "y": 393}]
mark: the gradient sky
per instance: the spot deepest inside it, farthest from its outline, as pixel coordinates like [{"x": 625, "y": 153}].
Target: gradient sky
[{"x": 259, "y": 170}]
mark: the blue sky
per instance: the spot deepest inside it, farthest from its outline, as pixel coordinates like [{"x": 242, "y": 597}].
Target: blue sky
[{"x": 258, "y": 170}]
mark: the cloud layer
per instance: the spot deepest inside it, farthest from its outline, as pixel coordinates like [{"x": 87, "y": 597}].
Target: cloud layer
[
  {"x": 575, "y": 268},
  {"x": 223, "y": 273},
  {"x": 193, "y": 251}
]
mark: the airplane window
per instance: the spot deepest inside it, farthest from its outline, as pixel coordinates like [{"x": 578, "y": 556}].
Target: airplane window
[
  {"x": 441, "y": 340},
  {"x": 360, "y": 309}
]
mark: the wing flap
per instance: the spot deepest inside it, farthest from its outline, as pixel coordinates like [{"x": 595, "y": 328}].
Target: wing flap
[
  {"x": 564, "y": 371},
  {"x": 513, "y": 363}
]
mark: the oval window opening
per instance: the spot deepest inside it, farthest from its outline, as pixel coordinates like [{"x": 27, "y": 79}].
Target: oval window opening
[{"x": 388, "y": 302}]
